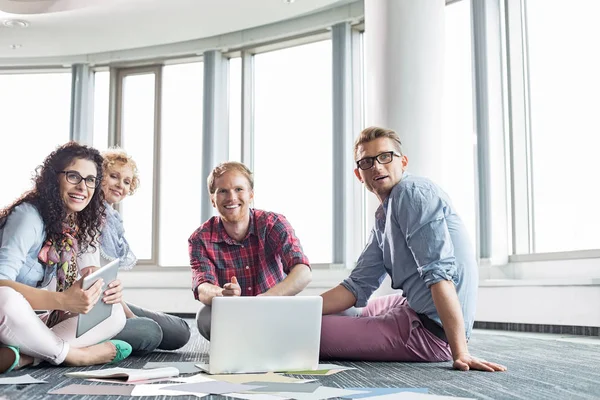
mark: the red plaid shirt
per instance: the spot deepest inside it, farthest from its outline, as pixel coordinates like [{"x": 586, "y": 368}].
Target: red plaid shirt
[{"x": 260, "y": 261}]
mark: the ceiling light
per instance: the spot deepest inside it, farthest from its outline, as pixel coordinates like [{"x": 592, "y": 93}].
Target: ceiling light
[
  {"x": 288, "y": 1},
  {"x": 15, "y": 23},
  {"x": 15, "y": 46}
]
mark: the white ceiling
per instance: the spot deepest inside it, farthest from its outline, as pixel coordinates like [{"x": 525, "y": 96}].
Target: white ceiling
[{"x": 75, "y": 27}]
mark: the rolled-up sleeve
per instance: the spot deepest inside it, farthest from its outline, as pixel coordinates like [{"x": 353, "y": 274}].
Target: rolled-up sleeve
[
  {"x": 420, "y": 212},
  {"x": 283, "y": 240},
  {"x": 203, "y": 270},
  {"x": 368, "y": 273},
  {"x": 21, "y": 233}
]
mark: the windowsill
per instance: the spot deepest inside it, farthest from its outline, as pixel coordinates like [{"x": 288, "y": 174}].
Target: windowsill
[
  {"x": 155, "y": 277},
  {"x": 539, "y": 282},
  {"x": 548, "y": 273},
  {"x": 555, "y": 293},
  {"x": 556, "y": 256}
]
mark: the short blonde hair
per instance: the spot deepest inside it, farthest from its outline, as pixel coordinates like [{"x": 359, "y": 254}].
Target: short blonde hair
[
  {"x": 374, "y": 132},
  {"x": 222, "y": 168},
  {"x": 116, "y": 155}
]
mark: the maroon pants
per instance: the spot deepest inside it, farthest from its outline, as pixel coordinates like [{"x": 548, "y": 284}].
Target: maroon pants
[{"x": 387, "y": 330}]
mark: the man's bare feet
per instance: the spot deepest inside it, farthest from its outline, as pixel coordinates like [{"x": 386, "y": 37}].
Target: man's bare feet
[{"x": 101, "y": 353}]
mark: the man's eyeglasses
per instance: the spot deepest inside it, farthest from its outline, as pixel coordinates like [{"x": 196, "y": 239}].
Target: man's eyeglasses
[
  {"x": 75, "y": 177},
  {"x": 382, "y": 158}
]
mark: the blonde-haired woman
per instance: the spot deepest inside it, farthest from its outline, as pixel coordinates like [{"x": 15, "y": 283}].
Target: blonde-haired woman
[{"x": 145, "y": 329}]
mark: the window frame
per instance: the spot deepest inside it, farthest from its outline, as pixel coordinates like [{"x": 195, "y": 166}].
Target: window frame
[
  {"x": 521, "y": 151},
  {"x": 118, "y": 76}
]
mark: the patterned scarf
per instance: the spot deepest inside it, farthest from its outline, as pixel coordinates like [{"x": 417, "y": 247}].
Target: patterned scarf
[{"x": 62, "y": 255}]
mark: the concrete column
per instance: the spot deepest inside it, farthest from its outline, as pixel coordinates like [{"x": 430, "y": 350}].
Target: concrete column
[
  {"x": 248, "y": 109},
  {"x": 215, "y": 133},
  {"x": 82, "y": 104},
  {"x": 404, "y": 61}
]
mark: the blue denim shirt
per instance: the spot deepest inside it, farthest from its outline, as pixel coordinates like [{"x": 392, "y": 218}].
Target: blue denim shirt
[
  {"x": 419, "y": 240},
  {"x": 21, "y": 240}
]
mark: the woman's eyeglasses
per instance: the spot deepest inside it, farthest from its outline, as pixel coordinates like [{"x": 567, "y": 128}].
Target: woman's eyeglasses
[{"x": 75, "y": 177}]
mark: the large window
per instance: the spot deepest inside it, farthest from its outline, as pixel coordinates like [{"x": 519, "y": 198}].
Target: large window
[
  {"x": 459, "y": 139},
  {"x": 235, "y": 109},
  {"x": 565, "y": 133},
  {"x": 293, "y": 105},
  {"x": 137, "y": 138},
  {"x": 181, "y": 180},
  {"x": 101, "y": 107},
  {"x": 34, "y": 120}
]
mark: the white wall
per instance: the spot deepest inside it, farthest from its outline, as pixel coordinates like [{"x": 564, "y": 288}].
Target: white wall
[{"x": 553, "y": 300}]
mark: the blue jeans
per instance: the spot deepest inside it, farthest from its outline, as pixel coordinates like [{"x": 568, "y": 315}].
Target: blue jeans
[{"x": 152, "y": 330}]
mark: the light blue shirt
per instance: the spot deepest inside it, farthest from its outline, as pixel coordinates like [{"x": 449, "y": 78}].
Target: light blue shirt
[
  {"x": 21, "y": 240},
  {"x": 419, "y": 240}
]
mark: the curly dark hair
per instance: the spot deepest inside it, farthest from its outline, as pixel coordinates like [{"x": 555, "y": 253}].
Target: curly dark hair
[{"x": 45, "y": 196}]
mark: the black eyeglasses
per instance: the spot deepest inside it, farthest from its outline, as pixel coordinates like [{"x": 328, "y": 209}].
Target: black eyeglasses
[
  {"x": 382, "y": 158},
  {"x": 75, "y": 177}
]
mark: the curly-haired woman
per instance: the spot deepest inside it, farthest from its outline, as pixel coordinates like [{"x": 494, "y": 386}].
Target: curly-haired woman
[
  {"x": 41, "y": 235},
  {"x": 145, "y": 330}
]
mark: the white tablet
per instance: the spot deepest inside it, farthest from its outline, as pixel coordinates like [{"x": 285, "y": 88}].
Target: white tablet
[{"x": 101, "y": 310}]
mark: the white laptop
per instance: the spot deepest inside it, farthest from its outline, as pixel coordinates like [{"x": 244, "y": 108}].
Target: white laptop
[{"x": 264, "y": 334}]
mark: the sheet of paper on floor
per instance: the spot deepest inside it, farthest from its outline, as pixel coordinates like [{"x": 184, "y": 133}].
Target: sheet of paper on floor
[
  {"x": 276, "y": 387},
  {"x": 184, "y": 367},
  {"x": 333, "y": 366},
  {"x": 383, "y": 391},
  {"x": 204, "y": 367},
  {"x": 95, "y": 390},
  {"x": 322, "y": 392},
  {"x": 214, "y": 387},
  {"x": 122, "y": 382},
  {"x": 414, "y": 396},
  {"x": 255, "y": 396},
  {"x": 20, "y": 380},
  {"x": 322, "y": 369},
  {"x": 324, "y": 372},
  {"x": 267, "y": 377},
  {"x": 161, "y": 389},
  {"x": 127, "y": 374},
  {"x": 201, "y": 377}
]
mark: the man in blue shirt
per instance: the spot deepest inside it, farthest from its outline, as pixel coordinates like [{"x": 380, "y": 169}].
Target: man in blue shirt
[{"x": 419, "y": 241}]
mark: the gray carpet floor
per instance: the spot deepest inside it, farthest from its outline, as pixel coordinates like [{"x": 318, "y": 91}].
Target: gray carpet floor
[{"x": 537, "y": 369}]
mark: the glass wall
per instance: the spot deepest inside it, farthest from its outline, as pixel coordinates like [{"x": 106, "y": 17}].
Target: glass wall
[
  {"x": 159, "y": 121},
  {"x": 293, "y": 142},
  {"x": 137, "y": 138},
  {"x": 459, "y": 139},
  {"x": 101, "y": 109},
  {"x": 34, "y": 120},
  {"x": 565, "y": 133},
  {"x": 235, "y": 109},
  {"x": 180, "y": 161}
]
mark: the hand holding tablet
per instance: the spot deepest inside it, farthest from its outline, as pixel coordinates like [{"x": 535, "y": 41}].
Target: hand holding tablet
[
  {"x": 111, "y": 292},
  {"x": 101, "y": 310}
]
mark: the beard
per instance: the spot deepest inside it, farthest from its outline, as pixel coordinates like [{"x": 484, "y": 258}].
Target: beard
[{"x": 239, "y": 215}]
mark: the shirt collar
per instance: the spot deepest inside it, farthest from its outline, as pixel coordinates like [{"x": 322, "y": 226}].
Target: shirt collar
[
  {"x": 219, "y": 234},
  {"x": 382, "y": 209}
]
